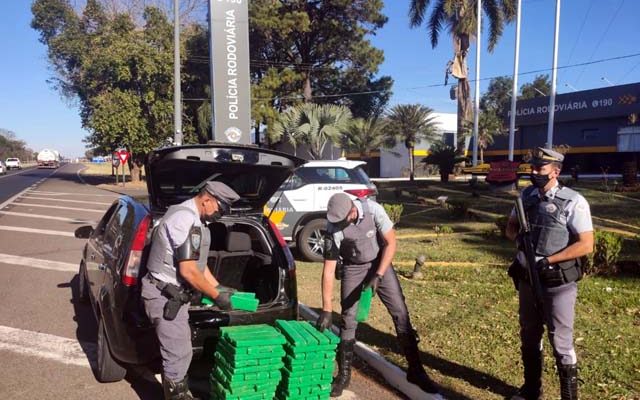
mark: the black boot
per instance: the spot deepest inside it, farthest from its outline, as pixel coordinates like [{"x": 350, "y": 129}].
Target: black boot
[
  {"x": 345, "y": 357},
  {"x": 568, "y": 381},
  {"x": 532, "y": 388},
  {"x": 416, "y": 373},
  {"x": 176, "y": 390}
]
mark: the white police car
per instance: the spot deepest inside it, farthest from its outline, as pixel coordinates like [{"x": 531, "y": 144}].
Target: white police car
[{"x": 299, "y": 207}]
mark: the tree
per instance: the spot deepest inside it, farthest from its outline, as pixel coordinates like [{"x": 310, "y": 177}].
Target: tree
[
  {"x": 411, "y": 123},
  {"x": 121, "y": 75},
  {"x": 364, "y": 136},
  {"x": 323, "y": 46},
  {"x": 541, "y": 83},
  {"x": 11, "y": 146},
  {"x": 497, "y": 98},
  {"x": 489, "y": 125},
  {"x": 313, "y": 125},
  {"x": 444, "y": 157},
  {"x": 459, "y": 18}
]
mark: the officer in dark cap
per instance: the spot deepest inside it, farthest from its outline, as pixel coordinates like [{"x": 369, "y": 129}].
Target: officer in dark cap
[
  {"x": 562, "y": 232},
  {"x": 361, "y": 235},
  {"x": 177, "y": 265}
]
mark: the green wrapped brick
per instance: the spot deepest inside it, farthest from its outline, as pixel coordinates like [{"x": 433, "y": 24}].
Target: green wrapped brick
[
  {"x": 244, "y": 301},
  {"x": 364, "y": 305}
]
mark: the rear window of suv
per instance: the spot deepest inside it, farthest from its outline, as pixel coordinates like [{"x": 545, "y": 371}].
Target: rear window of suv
[
  {"x": 332, "y": 175},
  {"x": 12, "y": 159}
]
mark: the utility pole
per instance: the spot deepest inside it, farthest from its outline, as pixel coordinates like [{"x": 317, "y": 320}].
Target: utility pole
[
  {"x": 552, "y": 98},
  {"x": 177, "y": 91},
  {"x": 476, "y": 113},
  {"x": 514, "y": 90}
]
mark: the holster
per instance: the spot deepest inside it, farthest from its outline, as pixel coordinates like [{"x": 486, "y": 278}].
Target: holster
[
  {"x": 561, "y": 273},
  {"x": 177, "y": 297}
]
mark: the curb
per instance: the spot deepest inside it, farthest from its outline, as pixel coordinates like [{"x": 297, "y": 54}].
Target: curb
[{"x": 391, "y": 373}]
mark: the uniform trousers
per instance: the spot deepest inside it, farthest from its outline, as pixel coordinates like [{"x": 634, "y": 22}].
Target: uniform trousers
[
  {"x": 353, "y": 278},
  {"x": 174, "y": 336},
  {"x": 559, "y": 308}
]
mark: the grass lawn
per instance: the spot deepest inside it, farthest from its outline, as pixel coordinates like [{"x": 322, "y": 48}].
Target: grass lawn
[{"x": 465, "y": 308}]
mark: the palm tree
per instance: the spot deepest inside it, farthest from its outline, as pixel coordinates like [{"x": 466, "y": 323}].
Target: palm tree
[
  {"x": 459, "y": 18},
  {"x": 489, "y": 124},
  {"x": 411, "y": 123},
  {"x": 314, "y": 125},
  {"x": 364, "y": 136},
  {"x": 444, "y": 157}
]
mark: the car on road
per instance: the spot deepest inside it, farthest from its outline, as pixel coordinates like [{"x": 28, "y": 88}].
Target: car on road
[
  {"x": 3, "y": 168},
  {"x": 299, "y": 207},
  {"x": 247, "y": 251},
  {"x": 13, "y": 163}
]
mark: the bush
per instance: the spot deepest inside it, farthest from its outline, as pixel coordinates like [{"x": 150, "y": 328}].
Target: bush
[
  {"x": 501, "y": 223},
  {"x": 394, "y": 211},
  {"x": 458, "y": 208},
  {"x": 602, "y": 261}
]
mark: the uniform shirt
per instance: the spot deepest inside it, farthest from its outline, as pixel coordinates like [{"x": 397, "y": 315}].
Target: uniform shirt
[
  {"x": 335, "y": 236},
  {"x": 577, "y": 212},
  {"x": 175, "y": 229}
]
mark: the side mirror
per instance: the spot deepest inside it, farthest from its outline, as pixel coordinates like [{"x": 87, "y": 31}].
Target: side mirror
[{"x": 84, "y": 232}]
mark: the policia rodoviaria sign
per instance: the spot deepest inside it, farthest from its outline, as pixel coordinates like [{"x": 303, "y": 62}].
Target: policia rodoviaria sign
[{"x": 229, "y": 27}]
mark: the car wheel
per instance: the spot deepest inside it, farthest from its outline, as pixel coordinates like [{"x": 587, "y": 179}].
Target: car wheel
[
  {"x": 83, "y": 286},
  {"x": 311, "y": 240},
  {"x": 108, "y": 370}
]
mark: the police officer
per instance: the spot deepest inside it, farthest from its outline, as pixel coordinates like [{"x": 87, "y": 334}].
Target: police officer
[
  {"x": 562, "y": 232},
  {"x": 353, "y": 233},
  {"x": 177, "y": 264}
]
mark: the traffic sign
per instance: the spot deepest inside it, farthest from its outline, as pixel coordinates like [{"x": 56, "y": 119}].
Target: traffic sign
[{"x": 123, "y": 155}]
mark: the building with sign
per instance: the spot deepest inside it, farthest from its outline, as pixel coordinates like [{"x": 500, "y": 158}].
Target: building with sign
[{"x": 601, "y": 128}]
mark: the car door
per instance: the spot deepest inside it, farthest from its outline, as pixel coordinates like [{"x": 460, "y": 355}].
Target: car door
[
  {"x": 114, "y": 244},
  {"x": 94, "y": 260}
]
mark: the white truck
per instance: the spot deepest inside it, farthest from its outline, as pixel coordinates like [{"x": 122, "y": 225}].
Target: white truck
[{"x": 48, "y": 159}]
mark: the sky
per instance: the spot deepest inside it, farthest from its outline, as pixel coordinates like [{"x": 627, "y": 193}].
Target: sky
[{"x": 590, "y": 30}]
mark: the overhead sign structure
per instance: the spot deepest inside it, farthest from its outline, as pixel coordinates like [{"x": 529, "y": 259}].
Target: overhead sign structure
[{"x": 229, "y": 50}]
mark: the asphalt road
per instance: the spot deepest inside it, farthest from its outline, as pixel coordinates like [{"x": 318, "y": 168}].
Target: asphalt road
[{"x": 47, "y": 341}]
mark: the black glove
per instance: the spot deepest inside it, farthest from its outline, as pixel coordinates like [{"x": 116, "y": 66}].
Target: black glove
[
  {"x": 373, "y": 283},
  {"x": 542, "y": 264},
  {"x": 223, "y": 301},
  {"x": 324, "y": 321}
]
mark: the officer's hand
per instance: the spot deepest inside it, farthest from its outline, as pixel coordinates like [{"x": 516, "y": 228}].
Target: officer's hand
[
  {"x": 373, "y": 283},
  {"x": 223, "y": 300},
  {"x": 542, "y": 264},
  {"x": 324, "y": 321}
]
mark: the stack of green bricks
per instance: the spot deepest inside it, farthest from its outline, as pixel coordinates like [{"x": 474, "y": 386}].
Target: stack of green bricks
[
  {"x": 248, "y": 363},
  {"x": 308, "y": 362}
]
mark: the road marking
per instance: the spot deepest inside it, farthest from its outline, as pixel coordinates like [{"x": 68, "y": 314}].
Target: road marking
[
  {"x": 31, "y": 230},
  {"x": 38, "y": 263},
  {"x": 58, "y": 207},
  {"x": 18, "y": 173},
  {"x": 51, "y": 347},
  {"x": 74, "y": 220},
  {"x": 49, "y": 193},
  {"x": 6, "y": 203},
  {"x": 65, "y": 200}
]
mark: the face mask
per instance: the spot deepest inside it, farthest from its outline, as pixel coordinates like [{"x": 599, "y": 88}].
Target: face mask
[
  {"x": 341, "y": 225},
  {"x": 540, "y": 181}
]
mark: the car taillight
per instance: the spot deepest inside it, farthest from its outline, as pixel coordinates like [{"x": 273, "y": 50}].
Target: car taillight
[
  {"x": 360, "y": 193},
  {"x": 132, "y": 267},
  {"x": 285, "y": 247}
]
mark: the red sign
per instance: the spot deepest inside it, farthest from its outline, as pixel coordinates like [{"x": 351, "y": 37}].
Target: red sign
[
  {"x": 503, "y": 171},
  {"x": 123, "y": 155}
]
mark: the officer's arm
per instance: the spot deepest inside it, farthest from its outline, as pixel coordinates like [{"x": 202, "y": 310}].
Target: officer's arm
[
  {"x": 331, "y": 253},
  {"x": 191, "y": 273},
  {"x": 513, "y": 226},
  {"x": 580, "y": 248},
  {"x": 209, "y": 277},
  {"x": 328, "y": 271},
  {"x": 388, "y": 251}
]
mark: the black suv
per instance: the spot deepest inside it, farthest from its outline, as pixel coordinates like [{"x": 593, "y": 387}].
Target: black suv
[{"x": 113, "y": 260}]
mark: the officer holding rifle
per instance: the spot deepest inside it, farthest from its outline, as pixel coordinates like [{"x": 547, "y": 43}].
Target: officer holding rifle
[
  {"x": 177, "y": 265},
  {"x": 553, "y": 232}
]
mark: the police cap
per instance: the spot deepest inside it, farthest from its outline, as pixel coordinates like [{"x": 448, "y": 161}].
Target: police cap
[
  {"x": 338, "y": 207},
  {"x": 542, "y": 156},
  {"x": 223, "y": 193}
]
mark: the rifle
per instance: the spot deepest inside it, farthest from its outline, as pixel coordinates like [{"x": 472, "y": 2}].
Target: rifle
[{"x": 527, "y": 247}]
